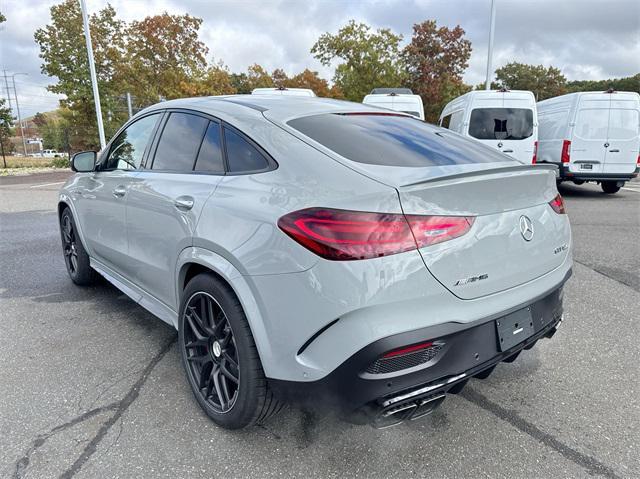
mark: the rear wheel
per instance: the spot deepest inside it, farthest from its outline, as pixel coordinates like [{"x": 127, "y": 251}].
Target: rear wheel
[
  {"x": 610, "y": 187},
  {"x": 220, "y": 356},
  {"x": 76, "y": 258}
]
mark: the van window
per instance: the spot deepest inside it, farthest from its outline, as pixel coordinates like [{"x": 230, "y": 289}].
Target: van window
[
  {"x": 501, "y": 123},
  {"x": 445, "y": 121},
  {"x": 390, "y": 140},
  {"x": 180, "y": 142},
  {"x": 456, "y": 121},
  {"x": 623, "y": 124},
  {"x": 592, "y": 123}
]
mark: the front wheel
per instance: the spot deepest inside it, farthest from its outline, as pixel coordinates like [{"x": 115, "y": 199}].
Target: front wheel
[
  {"x": 610, "y": 187},
  {"x": 220, "y": 356},
  {"x": 76, "y": 258}
]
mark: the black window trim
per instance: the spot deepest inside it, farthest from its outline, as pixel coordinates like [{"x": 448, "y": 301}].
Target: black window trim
[
  {"x": 147, "y": 164},
  {"x": 107, "y": 150}
]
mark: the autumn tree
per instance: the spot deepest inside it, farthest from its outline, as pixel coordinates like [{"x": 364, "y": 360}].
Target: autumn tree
[
  {"x": 311, "y": 80},
  {"x": 165, "y": 58},
  {"x": 542, "y": 81},
  {"x": 436, "y": 59},
  {"x": 64, "y": 55},
  {"x": 369, "y": 59}
]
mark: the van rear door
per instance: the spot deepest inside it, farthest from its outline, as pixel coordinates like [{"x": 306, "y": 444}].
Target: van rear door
[
  {"x": 588, "y": 150},
  {"x": 623, "y": 136}
]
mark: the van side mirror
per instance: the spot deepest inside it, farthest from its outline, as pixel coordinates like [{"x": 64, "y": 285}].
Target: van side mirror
[{"x": 84, "y": 161}]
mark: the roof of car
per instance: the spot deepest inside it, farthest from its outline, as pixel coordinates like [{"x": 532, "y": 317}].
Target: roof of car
[{"x": 279, "y": 108}]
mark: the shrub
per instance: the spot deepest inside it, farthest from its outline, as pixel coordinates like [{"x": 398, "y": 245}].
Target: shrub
[{"x": 60, "y": 162}]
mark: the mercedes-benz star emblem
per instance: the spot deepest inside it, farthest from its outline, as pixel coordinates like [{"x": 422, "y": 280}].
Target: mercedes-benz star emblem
[
  {"x": 526, "y": 228},
  {"x": 500, "y": 145}
]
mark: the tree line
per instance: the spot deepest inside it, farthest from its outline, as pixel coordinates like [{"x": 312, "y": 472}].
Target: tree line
[{"x": 161, "y": 57}]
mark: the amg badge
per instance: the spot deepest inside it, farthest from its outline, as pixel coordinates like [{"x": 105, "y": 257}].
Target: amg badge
[{"x": 472, "y": 279}]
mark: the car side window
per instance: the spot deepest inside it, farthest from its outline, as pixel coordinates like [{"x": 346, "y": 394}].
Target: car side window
[
  {"x": 127, "y": 149},
  {"x": 444, "y": 122},
  {"x": 180, "y": 141},
  {"x": 210, "y": 156},
  {"x": 242, "y": 156}
]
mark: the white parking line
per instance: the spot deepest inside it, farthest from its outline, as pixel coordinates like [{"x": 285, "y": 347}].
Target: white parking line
[{"x": 47, "y": 184}]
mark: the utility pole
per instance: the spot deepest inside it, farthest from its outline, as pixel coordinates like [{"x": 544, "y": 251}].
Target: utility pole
[
  {"x": 492, "y": 27},
  {"x": 129, "y": 107},
  {"x": 6, "y": 82},
  {"x": 92, "y": 71},
  {"x": 15, "y": 92}
]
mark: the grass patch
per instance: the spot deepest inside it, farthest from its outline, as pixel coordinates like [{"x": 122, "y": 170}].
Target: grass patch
[{"x": 34, "y": 162}]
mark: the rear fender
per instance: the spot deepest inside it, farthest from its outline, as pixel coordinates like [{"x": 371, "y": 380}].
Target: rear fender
[{"x": 238, "y": 283}]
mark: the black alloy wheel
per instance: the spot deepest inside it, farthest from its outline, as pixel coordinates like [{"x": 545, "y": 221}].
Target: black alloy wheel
[
  {"x": 69, "y": 244},
  {"x": 211, "y": 354}
]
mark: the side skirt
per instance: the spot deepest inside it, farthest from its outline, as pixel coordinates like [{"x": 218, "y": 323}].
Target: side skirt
[{"x": 144, "y": 299}]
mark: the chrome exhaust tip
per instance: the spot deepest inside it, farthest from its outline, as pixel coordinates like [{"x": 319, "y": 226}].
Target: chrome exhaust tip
[{"x": 394, "y": 415}]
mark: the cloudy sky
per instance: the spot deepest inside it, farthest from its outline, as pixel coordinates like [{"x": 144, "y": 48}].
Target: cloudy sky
[{"x": 586, "y": 39}]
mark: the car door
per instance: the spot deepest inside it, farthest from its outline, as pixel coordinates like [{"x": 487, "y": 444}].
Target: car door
[
  {"x": 623, "y": 137},
  {"x": 588, "y": 150},
  {"x": 167, "y": 196},
  {"x": 103, "y": 194}
]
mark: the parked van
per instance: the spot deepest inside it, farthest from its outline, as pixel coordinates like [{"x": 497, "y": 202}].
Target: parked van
[
  {"x": 503, "y": 119},
  {"x": 396, "y": 99},
  {"x": 283, "y": 91},
  {"x": 592, "y": 136}
]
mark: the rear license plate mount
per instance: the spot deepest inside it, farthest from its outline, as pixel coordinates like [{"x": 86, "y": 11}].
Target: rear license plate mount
[{"x": 514, "y": 328}]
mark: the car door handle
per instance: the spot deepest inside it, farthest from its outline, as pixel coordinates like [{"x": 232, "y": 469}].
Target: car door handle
[
  {"x": 184, "y": 203},
  {"x": 507, "y": 151},
  {"x": 615, "y": 150},
  {"x": 119, "y": 191}
]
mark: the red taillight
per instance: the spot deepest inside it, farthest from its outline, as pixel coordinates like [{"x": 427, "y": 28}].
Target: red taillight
[
  {"x": 566, "y": 151},
  {"x": 558, "y": 205},
  {"x": 534, "y": 160},
  {"x": 341, "y": 235},
  {"x": 638, "y": 160},
  {"x": 407, "y": 350}
]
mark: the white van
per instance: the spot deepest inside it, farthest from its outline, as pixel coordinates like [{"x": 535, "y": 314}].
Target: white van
[
  {"x": 396, "y": 99},
  {"x": 592, "y": 136},
  {"x": 283, "y": 91},
  {"x": 503, "y": 119}
]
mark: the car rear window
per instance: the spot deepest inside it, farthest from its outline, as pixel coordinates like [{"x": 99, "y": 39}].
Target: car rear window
[
  {"x": 391, "y": 140},
  {"x": 501, "y": 123}
]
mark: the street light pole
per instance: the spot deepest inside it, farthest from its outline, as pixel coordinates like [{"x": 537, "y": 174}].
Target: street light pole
[
  {"x": 15, "y": 93},
  {"x": 92, "y": 71},
  {"x": 6, "y": 82},
  {"x": 492, "y": 27}
]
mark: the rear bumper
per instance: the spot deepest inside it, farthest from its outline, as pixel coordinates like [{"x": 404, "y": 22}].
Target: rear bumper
[
  {"x": 565, "y": 174},
  {"x": 468, "y": 350}
]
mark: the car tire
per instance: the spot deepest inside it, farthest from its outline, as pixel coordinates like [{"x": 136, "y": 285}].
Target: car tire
[
  {"x": 610, "y": 187},
  {"x": 220, "y": 357},
  {"x": 76, "y": 258}
]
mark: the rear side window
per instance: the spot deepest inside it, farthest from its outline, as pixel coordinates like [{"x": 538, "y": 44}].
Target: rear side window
[
  {"x": 391, "y": 140},
  {"x": 242, "y": 156},
  {"x": 180, "y": 142},
  {"x": 210, "y": 155},
  {"x": 501, "y": 123}
]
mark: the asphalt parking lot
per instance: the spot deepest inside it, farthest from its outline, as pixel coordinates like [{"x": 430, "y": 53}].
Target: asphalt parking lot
[{"x": 91, "y": 384}]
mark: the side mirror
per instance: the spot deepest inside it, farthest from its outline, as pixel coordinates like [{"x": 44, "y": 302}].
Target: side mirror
[{"x": 84, "y": 161}]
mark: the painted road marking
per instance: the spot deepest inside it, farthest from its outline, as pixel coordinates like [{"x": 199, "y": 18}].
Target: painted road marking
[{"x": 47, "y": 184}]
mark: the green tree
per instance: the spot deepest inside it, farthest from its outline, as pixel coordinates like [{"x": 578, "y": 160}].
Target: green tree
[
  {"x": 631, "y": 83},
  {"x": 369, "y": 59},
  {"x": 64, "y": 55},
  {"x": 436, "y": 59},
  {"x": 311, "y": 80},
  {"x": 6, "y": 132},
  {"x": 542, "y": 81}
]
